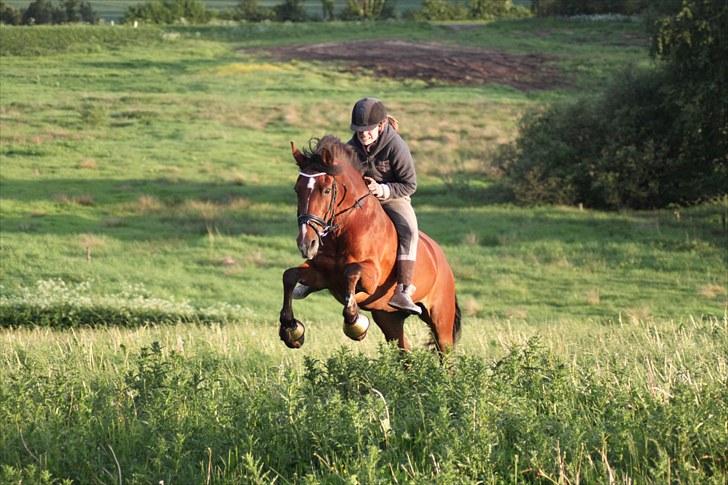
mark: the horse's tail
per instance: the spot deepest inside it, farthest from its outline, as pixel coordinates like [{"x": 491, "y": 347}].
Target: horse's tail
[{"x": 456, "y": 324}]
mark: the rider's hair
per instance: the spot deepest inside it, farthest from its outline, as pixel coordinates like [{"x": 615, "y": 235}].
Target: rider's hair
[{"x": 393, "y": 122}]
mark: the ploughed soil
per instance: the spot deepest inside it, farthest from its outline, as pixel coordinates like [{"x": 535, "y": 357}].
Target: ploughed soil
[{"x": 430, "y": 62}]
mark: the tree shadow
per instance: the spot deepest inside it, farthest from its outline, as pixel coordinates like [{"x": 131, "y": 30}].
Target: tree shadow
[{"x": 164, "y": 208}]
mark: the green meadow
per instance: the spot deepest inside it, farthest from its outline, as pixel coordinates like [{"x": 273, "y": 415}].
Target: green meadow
[{"x": 147, "y": 213}]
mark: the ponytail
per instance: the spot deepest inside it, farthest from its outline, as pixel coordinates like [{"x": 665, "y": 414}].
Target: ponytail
[{"x": 393, "y": 122}]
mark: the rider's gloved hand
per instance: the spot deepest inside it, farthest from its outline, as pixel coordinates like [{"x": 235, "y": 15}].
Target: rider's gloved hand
[{"x": 380, "y": 191}]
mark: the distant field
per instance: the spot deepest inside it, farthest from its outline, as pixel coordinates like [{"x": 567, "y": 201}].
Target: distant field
[{"x": 114, "y": 9}]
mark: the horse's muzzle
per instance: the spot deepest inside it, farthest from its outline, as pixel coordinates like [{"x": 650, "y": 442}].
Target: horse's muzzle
[{"x": 308, "y": 247}]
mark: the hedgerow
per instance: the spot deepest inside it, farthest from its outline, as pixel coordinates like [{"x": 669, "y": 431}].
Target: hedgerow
[
  {"x": 58, "y": 304},
  {"x": 40, "y": 40}
]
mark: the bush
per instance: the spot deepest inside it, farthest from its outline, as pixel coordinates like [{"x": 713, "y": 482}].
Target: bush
[
  {"x": 441, "y": 10},
  {"x": 363, "y": 9},
  {"x": 9, "y": 15},
  {"x": 169, "y": 12},
  {"x": 653, "y": 138},
  {"x": 488, "y": 9},
  {"x": 545, "y": 8},
  {"x": 57, "y": 304},
  {"x": 290, "y": 10},
  {"x": 251, "y": 11},
  {"x": 46, "y": 12},
  {"x": 46, "y": 39}
]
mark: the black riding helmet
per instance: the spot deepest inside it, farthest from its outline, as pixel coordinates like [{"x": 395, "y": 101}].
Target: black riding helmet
[{"x": 367, "y": 114}]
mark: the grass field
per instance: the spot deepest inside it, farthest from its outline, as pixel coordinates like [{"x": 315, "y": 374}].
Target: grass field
[{"x": 147, "y": 213}]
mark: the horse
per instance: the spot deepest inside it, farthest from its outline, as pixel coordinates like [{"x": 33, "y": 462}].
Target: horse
[{"x": 350, "y": 247}]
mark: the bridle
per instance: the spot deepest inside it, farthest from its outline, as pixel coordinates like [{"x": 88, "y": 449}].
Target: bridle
[{"x": 323, "y": 226}]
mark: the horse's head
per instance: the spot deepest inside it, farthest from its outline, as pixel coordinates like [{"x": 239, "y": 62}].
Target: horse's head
[{"x": 322, "y": 187}]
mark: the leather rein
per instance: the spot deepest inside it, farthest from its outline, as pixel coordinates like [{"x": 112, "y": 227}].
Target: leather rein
[{"x": 323, "y": 226}]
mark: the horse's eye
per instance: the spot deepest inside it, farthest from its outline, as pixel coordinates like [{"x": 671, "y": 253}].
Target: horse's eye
[{"x": 327, "y": 191}]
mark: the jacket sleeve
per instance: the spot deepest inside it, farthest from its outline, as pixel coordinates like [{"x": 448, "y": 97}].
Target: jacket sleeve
[{"x": 403, "y": 168}]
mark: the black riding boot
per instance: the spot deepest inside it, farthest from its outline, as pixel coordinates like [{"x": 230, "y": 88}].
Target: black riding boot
[{"x": 402, "y": 299}]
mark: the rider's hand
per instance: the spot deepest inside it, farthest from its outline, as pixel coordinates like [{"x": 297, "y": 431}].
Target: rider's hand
[{"x": 380, "y": 191}]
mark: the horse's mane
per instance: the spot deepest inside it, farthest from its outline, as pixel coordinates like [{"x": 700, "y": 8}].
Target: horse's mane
[{"x": 340, "y": 153}]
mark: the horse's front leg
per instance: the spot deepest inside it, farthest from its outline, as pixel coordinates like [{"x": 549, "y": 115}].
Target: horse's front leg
[
  {"x": 362, "y": 275},
  {"x": 291, "y": 330}
]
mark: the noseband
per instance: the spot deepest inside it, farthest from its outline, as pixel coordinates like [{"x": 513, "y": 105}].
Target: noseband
[{"x": 322, "y": 227}]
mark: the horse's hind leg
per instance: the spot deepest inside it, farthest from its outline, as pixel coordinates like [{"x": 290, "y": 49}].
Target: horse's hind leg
[
  {"x": 443, "y": 318},
  {"x": 392, "y": 325}
]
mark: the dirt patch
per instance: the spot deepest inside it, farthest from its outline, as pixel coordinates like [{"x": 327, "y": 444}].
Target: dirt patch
[{"x": 430, "y": 62}]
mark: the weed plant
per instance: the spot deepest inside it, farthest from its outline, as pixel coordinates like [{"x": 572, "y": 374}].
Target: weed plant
[{"x": 158, "y": 413}]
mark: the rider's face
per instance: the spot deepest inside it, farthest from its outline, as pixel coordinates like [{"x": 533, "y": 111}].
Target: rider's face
[{"x": 367, "y": 137}]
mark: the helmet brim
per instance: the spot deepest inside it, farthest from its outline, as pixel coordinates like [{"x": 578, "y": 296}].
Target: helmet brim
[{"x": 363, "y": 127}]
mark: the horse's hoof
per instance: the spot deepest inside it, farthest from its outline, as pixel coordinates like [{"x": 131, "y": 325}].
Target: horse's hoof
[
  {"x": 293, "y": 337},
  {"x": 357, "y": 330}
]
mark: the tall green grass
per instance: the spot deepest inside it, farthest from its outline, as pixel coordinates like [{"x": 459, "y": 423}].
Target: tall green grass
[{"x": 211, "y": 405}]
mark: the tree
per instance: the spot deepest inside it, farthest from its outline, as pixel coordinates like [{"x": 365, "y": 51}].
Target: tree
[
  {"x": 9, "y": 15},
  {"x": 290, "y": 10},
  {"x": 38, "y": 12},
  {"x": 489, "y": 9},
  {"x": 693, "y": 43},
  {"x": 87, "y": 13}
]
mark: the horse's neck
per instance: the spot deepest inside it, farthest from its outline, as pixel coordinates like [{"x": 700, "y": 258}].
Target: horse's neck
[{"x": 365, "y": 209}]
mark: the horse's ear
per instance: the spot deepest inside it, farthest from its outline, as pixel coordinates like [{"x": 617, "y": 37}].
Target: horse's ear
[{"x": 300, "y": 157}]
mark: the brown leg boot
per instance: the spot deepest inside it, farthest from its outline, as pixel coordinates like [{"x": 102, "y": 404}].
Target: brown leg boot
[{"x": 402, "y": 298}]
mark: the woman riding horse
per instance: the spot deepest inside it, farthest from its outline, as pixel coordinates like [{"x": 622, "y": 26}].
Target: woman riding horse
[
  {"x": 389, "y": 171},
  {"x": 350, "y": 246}
]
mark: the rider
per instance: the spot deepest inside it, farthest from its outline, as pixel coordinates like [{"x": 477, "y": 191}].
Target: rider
[{"x": 389, "y": 171}]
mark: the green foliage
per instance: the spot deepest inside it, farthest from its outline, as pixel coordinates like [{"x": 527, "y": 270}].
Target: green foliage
[
  {"x": 42, "y": 40},
  {"x": 169, "y": 12},
  {"x": 291, "y": 11},
  {"x": 66, "y": 11},
  {"x": 158, "y": 414},
  {"x": 252, "y": 11},
  {"x": 591, "y": 7},
  {"x": 441, "y": 10},
  {"x": 363, "y": 9},
  {"x": 693, "y": 43},
  {"x": 9, "y": 15},
  {"x": 56, "y": 304},
  {"x": 652, "y": 138},
  {"x": 29, "y": 474},
  {"x": 488, "y": 9},
  {"x": 327, "y": 9}
]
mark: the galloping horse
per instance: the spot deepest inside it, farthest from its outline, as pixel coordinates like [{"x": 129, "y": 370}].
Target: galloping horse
[{"x": 350, "y": 247}]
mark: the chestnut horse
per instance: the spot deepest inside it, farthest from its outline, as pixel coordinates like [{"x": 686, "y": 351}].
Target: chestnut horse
[{"x": 350, "y": 247}]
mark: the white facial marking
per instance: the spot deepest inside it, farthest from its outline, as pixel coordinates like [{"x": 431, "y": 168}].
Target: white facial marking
[{"x": 311, "y": 184}]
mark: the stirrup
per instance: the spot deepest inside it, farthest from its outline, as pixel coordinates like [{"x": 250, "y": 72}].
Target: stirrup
[
  {"x": 301, "y": 291},
  {"x": 403, "y": 301}
]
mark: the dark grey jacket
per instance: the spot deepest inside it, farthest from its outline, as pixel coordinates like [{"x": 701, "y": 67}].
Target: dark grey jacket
[{"x": 389, "y": 161}]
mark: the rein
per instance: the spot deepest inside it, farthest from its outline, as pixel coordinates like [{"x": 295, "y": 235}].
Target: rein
[{"x": 322, "y": 227}]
